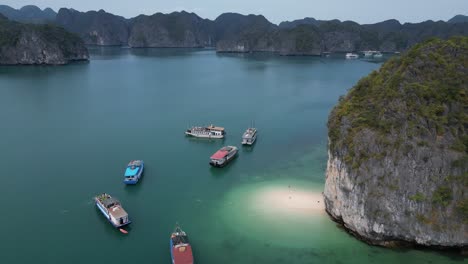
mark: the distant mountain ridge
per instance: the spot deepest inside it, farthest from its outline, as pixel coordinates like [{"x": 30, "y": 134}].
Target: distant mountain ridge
[
  {"x": 231, "y": 32},
  {"x": 458, "y": 19},
  {"x": 29, "y": 14}
]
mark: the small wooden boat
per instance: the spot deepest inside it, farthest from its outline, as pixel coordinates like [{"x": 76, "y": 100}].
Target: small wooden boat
[
  {"x": 223, "y": 156},
  {"x": 181, "y": 250},
  {"x": 112, "y": 210},
  {"x": 133, "y": 171}
]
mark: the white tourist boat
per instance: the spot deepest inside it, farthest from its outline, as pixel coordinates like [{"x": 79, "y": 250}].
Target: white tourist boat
[
  {"x": 352, "y": 56},
  {"x": 249, "y": 136},
  {"x": 206, "y": 132},
  {"x": 368, "y": 53},
  {"x": 112, "y": 210},
  {"x": 378, "y": 55}
]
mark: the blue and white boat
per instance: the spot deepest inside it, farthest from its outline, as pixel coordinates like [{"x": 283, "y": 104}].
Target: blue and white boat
[
  {"x": 112, "y": 210},
  {"x": 134, "y": 171}
]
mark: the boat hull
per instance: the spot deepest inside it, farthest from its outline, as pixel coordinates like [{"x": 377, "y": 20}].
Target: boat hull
[
  {"x": 204, "y": 135},
  {"x": 107, "y": 216},
  {"x": 137, "y": 177},
  {"x": 247, "y": 142}
]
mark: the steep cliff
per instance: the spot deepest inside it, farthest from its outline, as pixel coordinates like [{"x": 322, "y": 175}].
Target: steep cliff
[
  {"x": 178, "y": 29},
  {"x": 95, "y": 28},
  {"x": 398, "y": 150},
  {"x": 38, "y": 44},
  {"x": 232, "y": 32},
  {"x": 240, "y": 33},
  {"x": 298, "y": 41}
]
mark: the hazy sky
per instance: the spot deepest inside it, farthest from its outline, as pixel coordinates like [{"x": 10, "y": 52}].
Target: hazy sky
[{"x": 362, "y": 11}]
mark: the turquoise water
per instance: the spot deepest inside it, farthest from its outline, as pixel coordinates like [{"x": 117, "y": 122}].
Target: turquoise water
[{"x": 68, "y": 133}]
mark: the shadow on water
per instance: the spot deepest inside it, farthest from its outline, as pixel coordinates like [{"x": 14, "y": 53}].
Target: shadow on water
[
  {"x": 98, "y": 52},
  {"x": 219, "y": 172},
  {"x": 108, "y": 227},
  {"x": 166, "y": 52},
  {"x": 249, "y": 148},
  {"x": 272, "y": 57},
  {"x": 207, "y": 141},
  {"x": 135, "y": 188}
]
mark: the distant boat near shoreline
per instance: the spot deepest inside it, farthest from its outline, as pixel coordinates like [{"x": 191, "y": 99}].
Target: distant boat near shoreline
[{"x": 351, "y": 56}]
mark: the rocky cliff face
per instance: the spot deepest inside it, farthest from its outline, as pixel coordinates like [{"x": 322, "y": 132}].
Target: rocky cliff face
[
  {"x": 232, "y": 32},
  {"x": 398, "y": 150},
  {"x": 178, "y": 29},
  {"x": 239, "y": 33},
  {"x": 38, "y": 44},
  {"x": 95, "y": 28}
]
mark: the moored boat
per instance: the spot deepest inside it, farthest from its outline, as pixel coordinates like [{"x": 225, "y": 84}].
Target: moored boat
[
  {"x": 112, "y": 210},
  {"x": 368, "y": 53},
  {"x": 181, "y": 250},
  {"x": 223, "y": 156},
  {"x": 249, "y": 136},
  {"x": 378, "y": 55},
  {"x": 352, "y": 56},
  {"x": 206, "y": 132},
  {"x": 133, "y": 171}
]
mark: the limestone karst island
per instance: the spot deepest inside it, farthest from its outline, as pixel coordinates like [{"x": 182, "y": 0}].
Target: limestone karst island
[{"x": 241, "y": 133}]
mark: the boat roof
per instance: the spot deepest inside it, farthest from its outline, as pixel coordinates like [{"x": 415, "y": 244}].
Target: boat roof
[
  {"x": 118, "y": 212},
  {"x": 135, "y": 162},
  {"x": 110, "y": 202},
  {"x": 249, "y": 132},
  {"x": 131, "y": 172},
  {"x": 220, "y": 154},
  {"x": 216, "y": 128},
  {"x": 182, "y": 254}
]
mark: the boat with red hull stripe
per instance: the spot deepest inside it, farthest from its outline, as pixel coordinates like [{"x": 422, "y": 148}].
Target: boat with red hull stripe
[{"x": 181, "y": 250}]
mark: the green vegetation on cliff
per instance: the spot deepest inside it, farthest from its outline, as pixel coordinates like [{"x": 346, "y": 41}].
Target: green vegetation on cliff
[
  {"x": 427, "y": 84},
  {"x": 398, "y": 145},
  {"x": 38, "y": 44}
]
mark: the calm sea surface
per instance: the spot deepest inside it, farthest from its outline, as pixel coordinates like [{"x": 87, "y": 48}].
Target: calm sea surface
[{"x": 68, "y": 132}]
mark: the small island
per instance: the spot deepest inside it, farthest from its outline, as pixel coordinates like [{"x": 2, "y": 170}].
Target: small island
[
  {"x": 397, "y": 171},
  {"x": 28, "y": 44}
]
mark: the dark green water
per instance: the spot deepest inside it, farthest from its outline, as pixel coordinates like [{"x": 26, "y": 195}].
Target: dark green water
[{"x": 68, "y": 132}]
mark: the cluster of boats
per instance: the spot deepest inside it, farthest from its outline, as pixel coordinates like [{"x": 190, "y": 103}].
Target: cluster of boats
[
  {"x": 113, "y": 211},
  {"x": 111, "y": 208},
  {"x": 367, "y": 54},
  {"x": 224, "y": 155}
]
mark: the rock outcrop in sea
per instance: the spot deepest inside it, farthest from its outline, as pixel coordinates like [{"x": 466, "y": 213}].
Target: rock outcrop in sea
[
  {"x": 398, "y": 150},
  {"x": 38, "y": 44}
]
